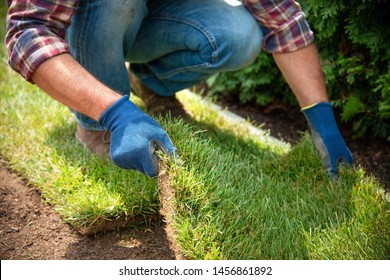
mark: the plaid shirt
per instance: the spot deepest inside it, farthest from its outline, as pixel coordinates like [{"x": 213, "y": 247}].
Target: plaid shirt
[
  {"x": 36, "y": 29},
  {"x": 283, "y": 23}
]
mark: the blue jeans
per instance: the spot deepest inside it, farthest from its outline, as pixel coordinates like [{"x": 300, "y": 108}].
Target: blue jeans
[{"x": 170, "y": 44}]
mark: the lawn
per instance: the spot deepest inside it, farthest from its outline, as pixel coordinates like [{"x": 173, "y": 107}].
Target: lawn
[{"x": 235, "y": 195}]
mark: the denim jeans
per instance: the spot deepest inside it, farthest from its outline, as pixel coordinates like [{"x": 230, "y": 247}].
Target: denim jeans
[{"x": 170, "y": 44}]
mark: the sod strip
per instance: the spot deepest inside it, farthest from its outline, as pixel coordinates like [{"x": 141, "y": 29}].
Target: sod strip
[{"x": 239, "y": 198}]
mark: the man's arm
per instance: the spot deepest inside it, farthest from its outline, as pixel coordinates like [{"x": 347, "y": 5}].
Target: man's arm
[
  {"x": 69, "y": 83},
  {"x": 288, "y": 37},
  {"x": 134, "y": 135},
  {"x": 37, "y": 50},
  {"x": 303, "y": 72}
]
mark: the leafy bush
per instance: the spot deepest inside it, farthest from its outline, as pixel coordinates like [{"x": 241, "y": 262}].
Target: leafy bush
[{"x": 353, "y": 42}]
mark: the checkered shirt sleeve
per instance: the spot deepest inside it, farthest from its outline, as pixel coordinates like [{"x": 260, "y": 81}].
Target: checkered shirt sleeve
[
  {"x": 283, "y": 23},
  {"x": 36, "y": 31}
]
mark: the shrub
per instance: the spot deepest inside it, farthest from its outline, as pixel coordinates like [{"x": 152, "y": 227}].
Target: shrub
[{"x": 353, "y": 41}]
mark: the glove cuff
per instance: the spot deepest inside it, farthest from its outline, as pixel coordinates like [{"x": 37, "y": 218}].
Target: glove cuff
[
  {"x": 320, "y": 117},
  {"x": 115, "y": 110}
]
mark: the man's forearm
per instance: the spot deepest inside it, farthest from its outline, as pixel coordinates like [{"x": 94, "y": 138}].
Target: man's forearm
[
  {"x": 69, "y": 83},
  {"x": 303, "y": 72}
]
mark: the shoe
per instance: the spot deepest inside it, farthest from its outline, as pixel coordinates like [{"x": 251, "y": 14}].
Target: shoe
[
  {"x": 157, "y": 104},
  {"x": 97, "y": 141}
]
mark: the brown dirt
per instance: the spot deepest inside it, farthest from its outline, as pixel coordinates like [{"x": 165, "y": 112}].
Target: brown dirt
[{"x": 31, "y": 229}]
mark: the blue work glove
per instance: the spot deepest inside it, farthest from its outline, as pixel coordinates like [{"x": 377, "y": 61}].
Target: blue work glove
[
  {"x": 135, "y": 137},
  {"x": 327, "y": 138}
]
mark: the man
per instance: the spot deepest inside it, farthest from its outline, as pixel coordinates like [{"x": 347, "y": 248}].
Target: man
[{"x": 170, "y": 45}]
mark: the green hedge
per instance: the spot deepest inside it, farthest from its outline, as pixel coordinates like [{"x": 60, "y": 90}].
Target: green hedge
[{"x": 353, "y": 39}]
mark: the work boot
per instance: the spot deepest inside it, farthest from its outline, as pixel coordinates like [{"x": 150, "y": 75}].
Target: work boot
[
  {"x": 97, "y": 141},
  {"x": 157, "y": 104}
]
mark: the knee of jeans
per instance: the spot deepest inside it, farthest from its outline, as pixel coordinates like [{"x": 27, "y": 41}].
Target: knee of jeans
[
  {"x": 123, "y": 17},
  {"x": 238, "y": 47}
]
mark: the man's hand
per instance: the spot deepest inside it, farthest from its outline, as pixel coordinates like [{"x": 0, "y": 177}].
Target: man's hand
[
  {"x": 327, "y": 138},
  {"x": 135, "y": 137}
]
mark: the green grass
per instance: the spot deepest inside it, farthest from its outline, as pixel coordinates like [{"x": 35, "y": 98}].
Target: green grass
[
  {"x": 236, "y": 196},
  {"x": 240, "y": 199}
]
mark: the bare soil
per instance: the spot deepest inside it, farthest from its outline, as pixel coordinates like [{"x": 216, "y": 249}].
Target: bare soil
[{"x": 31, "y": 229}]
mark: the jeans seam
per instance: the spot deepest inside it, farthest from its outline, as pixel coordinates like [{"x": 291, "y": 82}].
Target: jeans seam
[
  {"x": 183, "y": 69},
  {"x": 82, "y": 34}
]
